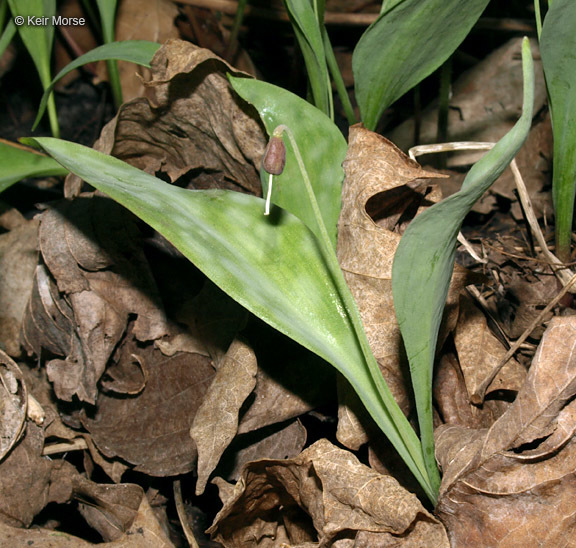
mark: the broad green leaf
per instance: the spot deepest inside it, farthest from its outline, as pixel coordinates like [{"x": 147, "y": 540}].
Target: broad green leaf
[
  {"x": 558, "y": 50},
  {"x": 409, "y": 40},
  {"x": 19, "y": 163},
  {"x": 321, "y": 144},
  {"x": 38, "y": 39},
  {"x": 424, "y": 260},
  {"x": 134, "y": 51},
  {"x": 274, "y": 266},
  {"x": 306, "y": 23}
]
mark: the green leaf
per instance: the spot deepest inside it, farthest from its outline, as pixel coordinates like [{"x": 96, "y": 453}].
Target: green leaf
[
  {"x": 7, "y": 36},
  {"x": 134, "y": 51},
  {"x": 424, "y": 261},
  {"x": 558, "y": 50},
  {"x": 306, "y": 23},
  {"x": 409, "y": 40},
  {"x": 321, "y": 144},
  {"x": 19, "y": 163},
  {"x": 107, "y": 10},
  {"x": 274, "y": 266},
  {"x": 38, "y": 39}
]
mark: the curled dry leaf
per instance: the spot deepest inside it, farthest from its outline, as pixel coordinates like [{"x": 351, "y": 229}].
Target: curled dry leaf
[
  {"x": 516, "y": 479},
  {"x": 95, "y": 277},
  {"x": 13, "y": 404},
  {"x": 374, "y": 165},
  {"x": 319, "y": 496},
  {"x": 150, "y": 430},
  {"x": 193, "y": 126},
  {"x": 120, "y": 512}
]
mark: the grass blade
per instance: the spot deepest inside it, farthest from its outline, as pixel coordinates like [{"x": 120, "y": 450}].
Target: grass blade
[
  {"x": 424, "y": 261},
  {"x": 404, "y": 45}
]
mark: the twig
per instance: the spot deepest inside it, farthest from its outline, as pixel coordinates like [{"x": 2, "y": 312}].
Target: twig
[
  {"x": 182, "y": 515},
  {"x": 78, "y": 444},
  {"x": 537, "y": 321}
]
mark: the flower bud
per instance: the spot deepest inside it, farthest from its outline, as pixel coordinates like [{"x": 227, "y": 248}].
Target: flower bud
[{"x": 274, "y": 158}]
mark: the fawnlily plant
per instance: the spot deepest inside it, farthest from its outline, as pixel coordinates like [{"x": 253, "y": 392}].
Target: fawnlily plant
[{"x": 283, "y": 268}]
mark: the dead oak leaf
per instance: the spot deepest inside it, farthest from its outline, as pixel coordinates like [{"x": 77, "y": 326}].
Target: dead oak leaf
[
  {"x": 319, "y": 496},
  {"x": 479, "y": 354},
  {"x": 516, "y": 479},
  {"x": 150, "y": 429}
]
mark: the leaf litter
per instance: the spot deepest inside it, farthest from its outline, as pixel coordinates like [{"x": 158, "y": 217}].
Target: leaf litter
[{"x": 143, "y": 372}]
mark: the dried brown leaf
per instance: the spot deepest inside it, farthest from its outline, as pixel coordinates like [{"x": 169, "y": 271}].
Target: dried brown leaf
[
  {"x": 143, "y": 530},
  {"x": 193, "y": 126},
  {"x": 216, "y": 421},
  {"x": 18, "y": 259},
  {"x": 151, "y": 429},
  {"x": 480, "y": 353},
  {"x": 273, "y": 442},
  {"x": 382, "y": 180},
  {"x": 287, "y": 386},
  {"x": 516, "y": 479},
  {"x": 318, "y": 496},
  {"x": 24, "y": 479},
  {"x": 366, "y": 251},
  {"x": 101, "y": 279},
  {"x": 13, "y": 404}
]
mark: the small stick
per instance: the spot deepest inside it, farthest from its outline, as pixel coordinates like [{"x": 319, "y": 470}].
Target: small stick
[{"x": 182, "y": 515}]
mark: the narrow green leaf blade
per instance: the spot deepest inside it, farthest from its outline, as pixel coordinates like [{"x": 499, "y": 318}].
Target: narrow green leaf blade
[
  {"x": 7, "y": 36},
  {"x": 424, "y": 260},
  {"x": 37, "y": 38},
  {"x": 18, "y": 163},
  {"x": 558, "y": 50},
  {"x": 322, "y": 146},
  {"x": 274, "y": 266},
  {"x": 134, "y": 51},
  {"x": 410, "y": 40},
  {"x": 307, "y": 29}
]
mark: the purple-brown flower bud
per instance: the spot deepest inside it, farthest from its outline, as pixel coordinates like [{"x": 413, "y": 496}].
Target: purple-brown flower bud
[{"x": 274, "y": 158}]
